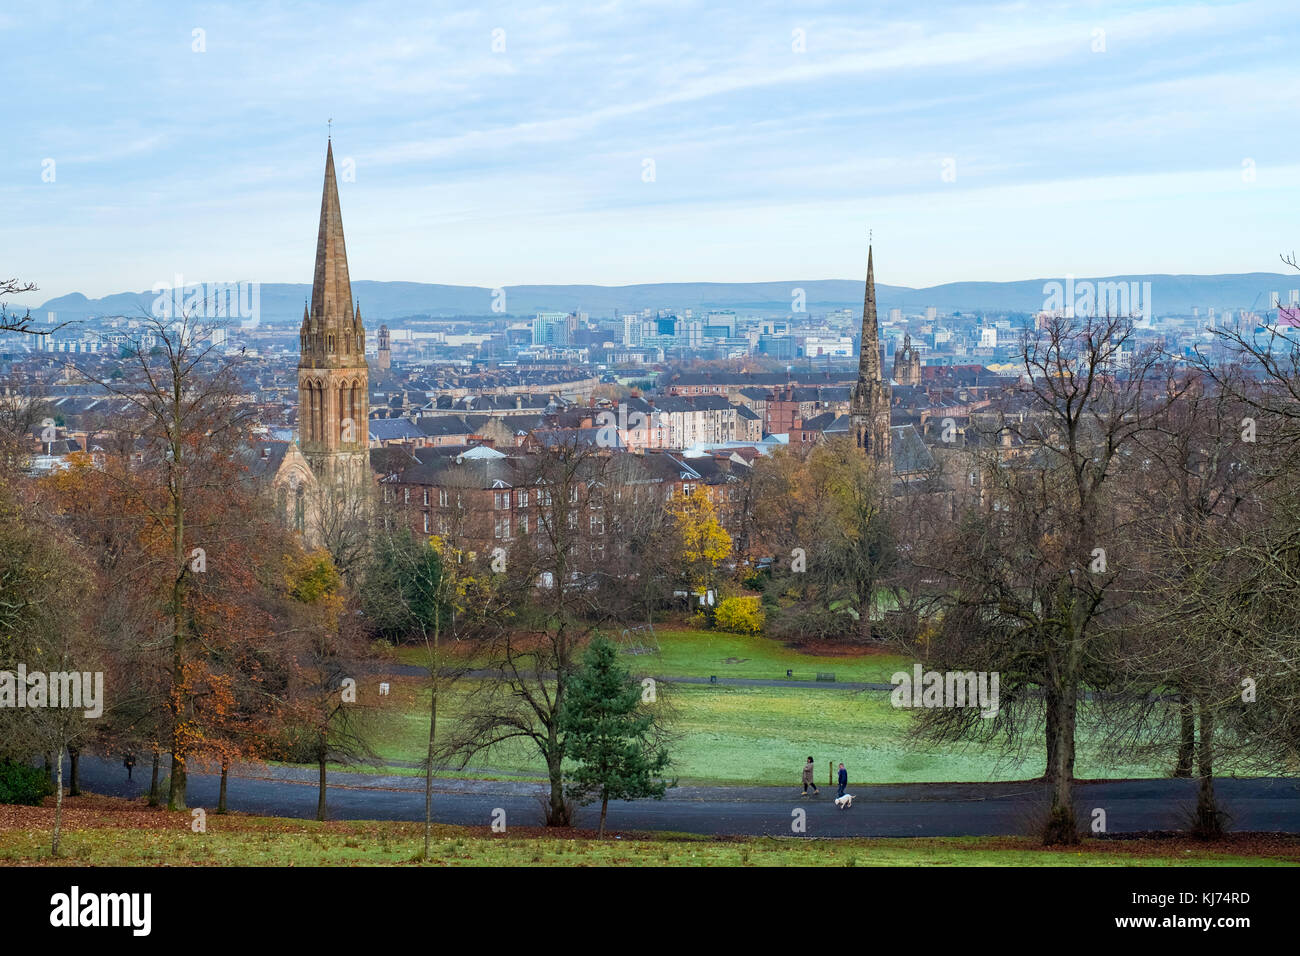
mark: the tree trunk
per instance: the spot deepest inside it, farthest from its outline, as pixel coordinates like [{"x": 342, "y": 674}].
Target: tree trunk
[
  {"x": 58, "y": 805},
  {"x": 1187, "y": 738},
  {"x": 179, "y": 697},
  {"x": 1060, "y": 826},
  {"x": 221, "y": 794},
  {"x": 428, "y": 770},
  {"x": 74, "y": 756},
  {"x": 1209, "y": 820},
  {"x": 153, "y": 784},
  {"x": 1052, "y": 732},
  {"x": 557, "y": 813},
  {"x": 176, "y": 783},
  {"x": 604, "y": 808},
  {"x": 320, "y": 802}
]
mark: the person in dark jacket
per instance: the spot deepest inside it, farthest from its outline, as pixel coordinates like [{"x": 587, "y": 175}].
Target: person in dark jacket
[
  {"x": 844, "y": 780},
  {"x": 808, "y": 778},
  {"x": 128, "y": 762}
]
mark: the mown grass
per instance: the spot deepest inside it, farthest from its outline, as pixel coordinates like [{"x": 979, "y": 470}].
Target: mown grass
[
  {"x": 239, "y": 840},
  {"x": 694, "y": 653},
  {"x": 761, "y": 736}
]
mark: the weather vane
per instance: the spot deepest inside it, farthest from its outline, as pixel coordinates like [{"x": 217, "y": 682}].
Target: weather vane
[{"x": 329, "y": 127}]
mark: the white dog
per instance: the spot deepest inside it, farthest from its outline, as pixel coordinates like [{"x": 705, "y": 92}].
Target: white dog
[{"x": 845, "y": 801}]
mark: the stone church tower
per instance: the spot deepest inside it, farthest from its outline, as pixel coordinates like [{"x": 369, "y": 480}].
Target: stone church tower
[
  {"x": 907, "y": 363},
  {"x": 869, "y": 414},
  {"x": 333, "y": 379}
]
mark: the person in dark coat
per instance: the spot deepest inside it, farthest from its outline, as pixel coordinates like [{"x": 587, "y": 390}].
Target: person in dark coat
[
  {"x": 808, "y": 778},
  {"x": 128, "y": 762},
  {"x": 844, "y": 780}
]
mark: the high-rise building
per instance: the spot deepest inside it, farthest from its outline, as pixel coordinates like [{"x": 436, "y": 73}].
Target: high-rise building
[
  {"x": 551, "y": 328},
  {"x": 869, "y": 413}
]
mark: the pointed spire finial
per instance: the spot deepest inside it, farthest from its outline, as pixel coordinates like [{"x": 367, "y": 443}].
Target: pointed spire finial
[{"x": 329, "y": 129}]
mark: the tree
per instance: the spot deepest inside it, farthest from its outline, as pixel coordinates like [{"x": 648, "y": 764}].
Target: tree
[
  {"x": 1030, "y": 580},
  {"x": 536, "y": 614},
  {"x": 703, "y": 543},
  {"x": 328, "y": 714},
  {"x": 190, "y": 413},
  {"x": 10, "y": 322},
  {"x": 827, "y": 502},
  {"x": 612, "y": 738},
  {"x": 409, "y": 596},
  {"x": 46, "y": 594}
]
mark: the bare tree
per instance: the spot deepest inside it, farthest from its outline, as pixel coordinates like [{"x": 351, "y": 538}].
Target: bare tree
[
  {"x": 1030, "y": 583},
  {"x": 543, "y": 607}
]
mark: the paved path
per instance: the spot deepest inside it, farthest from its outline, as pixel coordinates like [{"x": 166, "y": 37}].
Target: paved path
[{"x": 965, "y": 809}]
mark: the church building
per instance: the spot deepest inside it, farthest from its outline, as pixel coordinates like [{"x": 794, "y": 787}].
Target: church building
[{"x": 327, "y": 467}]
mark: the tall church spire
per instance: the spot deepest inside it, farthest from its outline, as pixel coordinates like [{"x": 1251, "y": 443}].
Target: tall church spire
[
  {"x": 869, "y": 352},
  {"x": 333, "y": 380},
  {"x": 870, "y": 410},
  {"x": 331, "y": 290}
]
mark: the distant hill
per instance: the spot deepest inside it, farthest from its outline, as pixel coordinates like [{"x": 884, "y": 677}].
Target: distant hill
[{"x": 282, "y": 303}]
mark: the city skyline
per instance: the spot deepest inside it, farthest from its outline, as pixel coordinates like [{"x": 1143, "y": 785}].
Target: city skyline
[{"x": 973, "y": 145}]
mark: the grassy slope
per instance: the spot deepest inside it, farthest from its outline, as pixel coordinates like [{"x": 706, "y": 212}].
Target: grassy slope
[
  {"x": 687, "y": 653},
  {"x": 761, "y": 735}
]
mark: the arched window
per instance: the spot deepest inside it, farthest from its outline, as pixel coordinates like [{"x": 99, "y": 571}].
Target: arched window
[{"x": 300, "y": 511}]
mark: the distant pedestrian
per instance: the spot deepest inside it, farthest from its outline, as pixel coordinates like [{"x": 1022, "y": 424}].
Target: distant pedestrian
[
  {"x": 128, "y": 762},
  {"x": 844, "y": 780},
  {"x": 808, "y": 778}
]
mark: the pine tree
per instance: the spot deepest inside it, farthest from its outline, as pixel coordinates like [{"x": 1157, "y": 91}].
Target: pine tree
[{"x": 610, "y": 736}]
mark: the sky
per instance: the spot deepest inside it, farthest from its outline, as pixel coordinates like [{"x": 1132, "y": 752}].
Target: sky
[{"x": 616, "y": 142}]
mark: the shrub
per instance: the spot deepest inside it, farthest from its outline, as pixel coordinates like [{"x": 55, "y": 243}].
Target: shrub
[
  {"x": 739, "y": 615},
  {"x": 20, "y": 783}
]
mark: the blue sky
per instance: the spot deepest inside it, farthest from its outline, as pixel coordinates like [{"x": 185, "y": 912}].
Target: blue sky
[{"x": 1173, "y": 149}]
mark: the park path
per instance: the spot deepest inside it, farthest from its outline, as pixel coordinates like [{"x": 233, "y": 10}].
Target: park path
[{"x": 893, "y": 810}]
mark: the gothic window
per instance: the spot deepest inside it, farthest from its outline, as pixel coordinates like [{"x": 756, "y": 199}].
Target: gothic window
[{"x": 300, "y": 511}]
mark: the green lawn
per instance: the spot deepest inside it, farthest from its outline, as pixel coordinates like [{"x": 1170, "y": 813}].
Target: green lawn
[
  {"x": 154, "y": 838},
  {"x": 761, "y": 735},
  {"x": 705, "y": 653},
  {"x": 690, "y": 653}
]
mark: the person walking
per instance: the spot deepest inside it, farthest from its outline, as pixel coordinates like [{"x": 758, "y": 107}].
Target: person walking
[
  {"x": 128, "y": 762},
  {"x": 808, "y": 778},
  {"x": 844, "y": 780}
]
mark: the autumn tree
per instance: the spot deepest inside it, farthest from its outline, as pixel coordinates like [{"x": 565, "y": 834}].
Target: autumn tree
[
  {"x": 190, "y": 416},
  {"x": 702, "y": 543},
  {"x": 331, "y": 704},
  {"x": 821, "y": 513}
]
